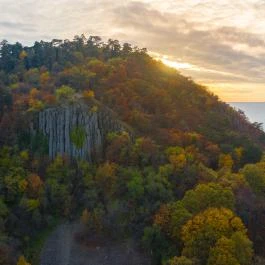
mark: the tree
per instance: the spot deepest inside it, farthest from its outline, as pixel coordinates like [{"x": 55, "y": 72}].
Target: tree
[
  {"x": 3, "y": 209},
  {"x": 202, "y": 232},
  {"x": 223, "y": 253},
  {"x": 34, "y": 186},
  {"x": 45, "y": 77},
  {"x": 170, "y": 218},
  {"x": 30, "y": 205},
  {"x": 78, "y": 77},
  {"x": 182, "y": 260},
  {"x": 243, "y": 248},
  {"x": 136, "y": 187},
  {"x": 119, "y": 148},
  {"x": 58, "y": 185},
  {"x": 35, "y": 103},
  {"x": 88, "y": 94},
  {"x": 23, "y": 54},
  {"x": 154, "y": 241},
  {"x": 226, "y": 161},
  {"x": 93, "y": 220},
  {"x": 22, "y": 261},
  {"x": 106, "y": 179},
  {"x": 234, "y": 251},
  {"x": 251, "y": 154},
  {"x": 177, "y": 157},
  {"x": 32, "y": 76},
  {"x": 255, "y": 176},
  {"x": 208, "y": 195},
  {"x": 85, "y": 217},
  {"x": 65, "y": 93}
]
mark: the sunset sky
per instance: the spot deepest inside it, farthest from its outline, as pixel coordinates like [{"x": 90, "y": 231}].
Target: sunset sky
[{"x": 219, "y": 43}]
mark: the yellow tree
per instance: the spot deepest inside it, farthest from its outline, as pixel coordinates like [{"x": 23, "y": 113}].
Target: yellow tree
[
  {"x": 226, "y": 161},
  {"x": 223, "y": 253},
  {"x": 234, "y": 251},
  {"x": 85, "y": 217},
  {"x": 106, "y": 179},
  {"x": 202, "y": 232},
  {"x": 22, "y": 261}
]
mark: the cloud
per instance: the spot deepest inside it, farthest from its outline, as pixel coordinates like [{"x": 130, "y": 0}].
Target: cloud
[
  {"x": 212, "y": 49},
  {"x": 222, "y": 41},
  {"x": 14, "y": 25}
]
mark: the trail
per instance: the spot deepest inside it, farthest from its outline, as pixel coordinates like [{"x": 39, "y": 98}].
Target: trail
[
  {"x": 57, "y": 249},
  {"x": 61, "y": 248}
]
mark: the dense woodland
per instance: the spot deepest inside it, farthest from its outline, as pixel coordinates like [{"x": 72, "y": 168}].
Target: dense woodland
[{"x": 189, "y": 185}]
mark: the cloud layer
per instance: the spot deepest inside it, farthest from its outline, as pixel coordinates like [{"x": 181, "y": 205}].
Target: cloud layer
[{"x": 221, "y": 41}]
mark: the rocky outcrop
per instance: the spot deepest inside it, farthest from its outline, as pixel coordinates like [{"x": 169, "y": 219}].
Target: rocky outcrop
[{"x": 58, "y": 122}]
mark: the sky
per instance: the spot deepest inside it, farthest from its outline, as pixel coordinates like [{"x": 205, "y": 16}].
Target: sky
[{"x": 220, "y": 44}]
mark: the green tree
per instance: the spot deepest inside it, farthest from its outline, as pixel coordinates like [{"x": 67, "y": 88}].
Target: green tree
[
  {"x": 136, "y": 186},
  {"x": 234, "y": 251},
  {"x": 59, "y": 185},
  {"x": 106, "y": 180},
  {"x": 64, "y": 93},
  {"x": 3, "y": 209},
  {"x": 223, "y": 253},
  {"x": 243, "y": 248},
  {"x": 182, "y": 260},
  {"x": 255, "y": 176},
  {"x": 78, "y": 137},
  {"x": 154, "y": 241},
  {"x": 208, "y": 195},
  {"x": 170, "y": 218}
]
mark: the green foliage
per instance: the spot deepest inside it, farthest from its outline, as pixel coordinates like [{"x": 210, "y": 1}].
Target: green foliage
[
  {"x": 252, "y": 154},
  {"x": 136, "y": 187},
  {"x": 35, "y": 245},
  {"x": 223, "y": 253},
  {"x": 208, "y": 195},
  {"x": 59, "y": 186},
  {"x": 234, "y": 251},
  {"x": 182, "y": 260},
  {"x": 154, "y": 241},
  {"x": 3, "y": 209},
  {"x": 30, "y": 204},
  {"x": 40, "y": 144},
  {"x": 170, "y": 218},
  {"x": 78, "y": 136},
  {"x": 78, "y": 77},
  {"x": 65, "y": 94},
  {"x": 243, "y": 248},
  {"x": 32, "y": 76},
  {"x": 255, "y": 176}
]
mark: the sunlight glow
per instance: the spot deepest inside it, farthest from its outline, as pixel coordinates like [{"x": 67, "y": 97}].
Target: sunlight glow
[{"x": 177, "y": 65}]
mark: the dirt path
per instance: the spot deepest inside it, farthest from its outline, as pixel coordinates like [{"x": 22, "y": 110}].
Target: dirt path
[
  {"x": 57, "y": 248},
  {"x": 61, "y": 248}
]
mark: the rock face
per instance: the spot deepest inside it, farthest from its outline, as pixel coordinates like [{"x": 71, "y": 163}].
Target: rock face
[{"x": 58, "y": 123}]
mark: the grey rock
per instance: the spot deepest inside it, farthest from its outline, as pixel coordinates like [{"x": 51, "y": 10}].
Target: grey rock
[{"x": 57, "y": 123}]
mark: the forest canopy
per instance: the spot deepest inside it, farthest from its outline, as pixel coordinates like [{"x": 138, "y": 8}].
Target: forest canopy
[{"x": 187, "y": 179}]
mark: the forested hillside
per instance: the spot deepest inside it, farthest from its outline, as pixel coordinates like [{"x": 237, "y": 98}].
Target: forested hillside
[{"x": 179, "y": 170}]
